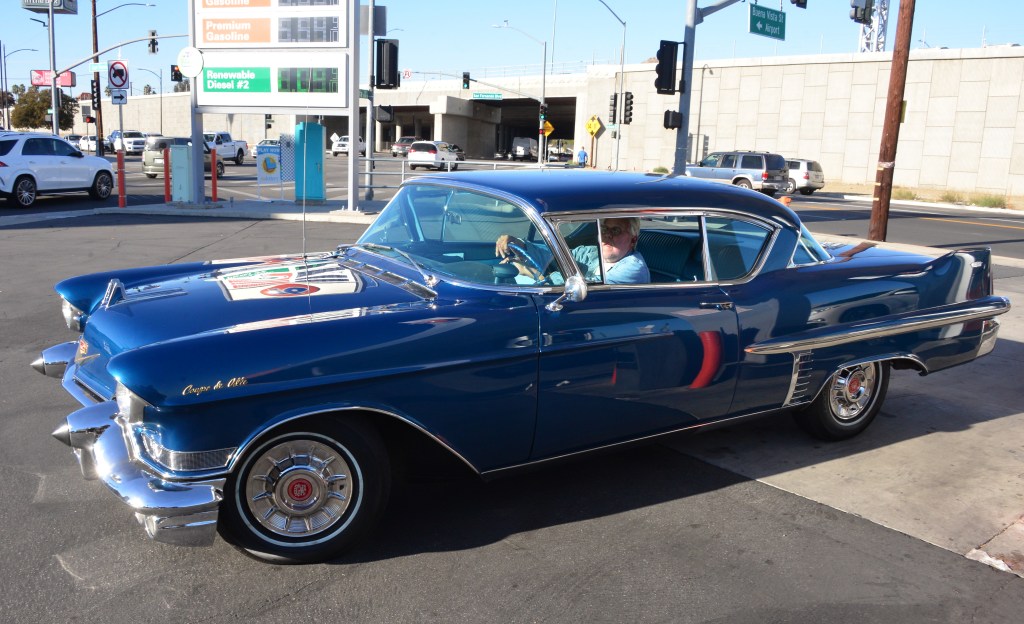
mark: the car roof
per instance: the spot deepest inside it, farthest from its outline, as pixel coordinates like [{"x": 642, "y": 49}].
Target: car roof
[{"x": 570, "y": 190}]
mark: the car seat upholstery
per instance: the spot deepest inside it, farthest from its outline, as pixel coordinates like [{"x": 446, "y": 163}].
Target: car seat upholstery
[{"x": 671, "y": 257}]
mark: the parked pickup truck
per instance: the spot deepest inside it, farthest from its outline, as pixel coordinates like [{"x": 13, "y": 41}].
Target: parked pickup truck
[{"x": 227, "y": 148}]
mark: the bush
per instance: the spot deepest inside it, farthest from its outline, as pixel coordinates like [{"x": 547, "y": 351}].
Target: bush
[
  {"x": 902, "y": 193},
  {"x": 952, "y": 197},
  {"x": 659, "y": 170},
  {"x": 989, "y": 201}
]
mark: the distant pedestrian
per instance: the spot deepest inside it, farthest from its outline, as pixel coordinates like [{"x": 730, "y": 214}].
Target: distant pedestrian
[{"x": 581, "y": 158}]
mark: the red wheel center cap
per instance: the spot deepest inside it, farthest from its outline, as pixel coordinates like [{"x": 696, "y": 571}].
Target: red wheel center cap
[
  {"x": 854, "y": 385},
  {"x": 300, "y": 489}
]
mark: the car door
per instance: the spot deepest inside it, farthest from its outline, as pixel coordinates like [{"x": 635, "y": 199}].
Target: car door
[
  {"x": 75, "y": 172},
  {"x": 633, "y": 360},
  {"x": 40, "y": 159}
]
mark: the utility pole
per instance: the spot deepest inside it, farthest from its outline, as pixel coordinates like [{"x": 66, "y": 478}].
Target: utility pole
[
  {"x": 879, "y": 225},
  {"x": 97, "y": 108},
  {"x": 353, "y": 141}
]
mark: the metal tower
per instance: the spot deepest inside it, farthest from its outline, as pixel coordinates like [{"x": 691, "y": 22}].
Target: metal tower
[{"x": 872, "y": 36}]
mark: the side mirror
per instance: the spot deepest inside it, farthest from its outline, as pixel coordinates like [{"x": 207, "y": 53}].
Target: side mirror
[
  {"x": 575, "y": 291},
  {"x": 77, "y": 154}
]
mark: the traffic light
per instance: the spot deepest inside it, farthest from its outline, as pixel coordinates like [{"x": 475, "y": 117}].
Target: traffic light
[
  {"x": 175, "y": 73},
  {"x": 668, "y": 54},
  {"x": 627, "y": 107},
  {"x": 860, "y": 11},
  {"x": 543, "y": 112},
  {"x": 89, "y": 119},
  {"x": 673, "y": 119},
  {"x": 95, "y": 85},
  {"x": 153, "y": 47},
  {"x": 612, "y": 105},
  {"x": 800, "y": 4},
  {"x": 387, "y": 76},
  {"x": 268, "y": 120},
  {"x": 465, "y": 80}
]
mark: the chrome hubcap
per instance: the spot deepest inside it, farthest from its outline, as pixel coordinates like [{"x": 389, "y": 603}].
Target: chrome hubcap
[
  {"x": 299, "y": 488},
  {"x": 26, "y": 192},
  {"x": 852, "y": 391}
]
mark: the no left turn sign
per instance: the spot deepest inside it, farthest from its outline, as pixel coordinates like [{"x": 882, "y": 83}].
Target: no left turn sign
[{"x": 117, "y": 74}]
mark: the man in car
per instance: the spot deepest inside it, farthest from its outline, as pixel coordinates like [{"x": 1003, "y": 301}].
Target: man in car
[{"x": 618, "y": 249}]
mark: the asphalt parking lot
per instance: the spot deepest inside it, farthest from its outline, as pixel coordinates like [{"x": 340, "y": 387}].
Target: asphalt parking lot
[{"x": 755, "y": 523}]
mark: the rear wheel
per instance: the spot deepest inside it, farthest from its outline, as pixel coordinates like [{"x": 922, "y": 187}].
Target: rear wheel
[
  {"x": 150, "y": 175},
  {"x": 806, "y": 191},
  {"x": 849, "y": 402},
  {"x": 239, "y": 157},
  {"x": 102, "y": 186},
  {"x": 742, "y": 183},
  {"x": 220, "y": 169},
  {"x": 23, "y": 193},
  {"x": 307, "y": 494}
]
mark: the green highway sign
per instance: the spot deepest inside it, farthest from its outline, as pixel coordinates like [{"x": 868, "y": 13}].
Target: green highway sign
[
  {"x": 98, "y": 67},
  {"x": 236, "y": 79},
  {"x": 364, "y": 94},
  {"x": 486, "y": 96},
  {"x": 767, "y": 22}
]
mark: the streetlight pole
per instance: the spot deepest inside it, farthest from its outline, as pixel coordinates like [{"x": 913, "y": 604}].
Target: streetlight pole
[
  {"x": 161, "y": 77},
  {"x": 54, "y": 94},
  {"x": 96, "y": 74},
  {"x": 622, "y": 77},
  {"x": 6, "y": 87},
  {"x": 698, "y": 153},
  {"x": 542, "y": 143}
]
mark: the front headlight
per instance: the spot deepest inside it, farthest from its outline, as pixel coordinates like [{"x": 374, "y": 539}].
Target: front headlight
[
  {"x": 73, "y": 317},
  {"x": 129, "y": 405}
]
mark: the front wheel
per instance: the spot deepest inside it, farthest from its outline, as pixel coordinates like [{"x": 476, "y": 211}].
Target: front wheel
[
  {"x": 102, "y": 186},
  {"x": 791, "y": 186},
  {"x": 23, "y": 193},
  {"x": 307, "y": 494},
  {"x": 848, "y": 403},
  {"x": 151, "y": 175}
]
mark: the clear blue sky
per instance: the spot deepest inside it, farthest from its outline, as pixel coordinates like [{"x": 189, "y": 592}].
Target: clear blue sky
[{"x": 453, "y": 36}]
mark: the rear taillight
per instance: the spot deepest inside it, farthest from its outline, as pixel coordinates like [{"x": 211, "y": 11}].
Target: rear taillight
[
  {"x": 2, "y": 164},
  {"x": 432, "y": 150},
  {"x": 764, "y": 175},
  {"x": 807, "y": 176}
]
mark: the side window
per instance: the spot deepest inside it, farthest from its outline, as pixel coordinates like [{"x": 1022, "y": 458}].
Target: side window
[
  {"x": 752, "y": 162},
  {"x": 7, "y": 146},
  {"x": 606, "y": 251},
  {"x": 673, "y": 248},
  {"x": 728, "y": 161},
  {"x": 734, "y": 247},
  {"x": 711, "y": 160},
  {"x": 62, "y": 148},
  {"x": 37, "y": 147}
]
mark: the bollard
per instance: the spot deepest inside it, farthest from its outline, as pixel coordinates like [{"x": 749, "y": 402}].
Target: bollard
[
  {"x": 213, "y": 173},
  {"x": 167, "y": 175},
  {"x": 120, "y": 179}
]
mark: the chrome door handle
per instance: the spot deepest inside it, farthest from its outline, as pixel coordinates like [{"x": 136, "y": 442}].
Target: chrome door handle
[{"x": 716, "y": 305}]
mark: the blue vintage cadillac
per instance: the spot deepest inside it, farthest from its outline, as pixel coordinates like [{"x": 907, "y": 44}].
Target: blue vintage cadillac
[{"x": 271, "y": 399}]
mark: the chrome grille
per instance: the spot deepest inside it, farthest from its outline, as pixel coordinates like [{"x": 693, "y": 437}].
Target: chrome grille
[
  {"x": 799, "y": 389},
  {"x": 186, "y": 461}
]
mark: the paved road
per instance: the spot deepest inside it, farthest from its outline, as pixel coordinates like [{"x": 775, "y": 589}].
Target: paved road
[{"x": 654, "y": 534}]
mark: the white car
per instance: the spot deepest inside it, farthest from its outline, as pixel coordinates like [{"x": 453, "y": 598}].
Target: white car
[
  {"x": 434, "y": 154},
  {"x": 341, "y": 146},
  {"x": 88, "y": 143},
  {"x": 131, "y": 141},
  {"x": 265, "y": 143},
  {"x": 34, "y": 163}
]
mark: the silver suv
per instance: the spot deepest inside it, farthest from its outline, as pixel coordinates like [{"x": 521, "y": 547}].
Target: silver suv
[
  {"x": 805, "y": 176},
  {"x": 762, "y": 171}
]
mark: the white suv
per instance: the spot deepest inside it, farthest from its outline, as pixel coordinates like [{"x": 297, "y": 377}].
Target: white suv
[
  {"x": 341, "y": 146},
  {"x": 131, "y": 141},
  {"x": 33, "y": 163}
]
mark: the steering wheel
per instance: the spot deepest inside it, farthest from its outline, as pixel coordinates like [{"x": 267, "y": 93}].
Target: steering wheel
[{"x": 521, "y": 256}]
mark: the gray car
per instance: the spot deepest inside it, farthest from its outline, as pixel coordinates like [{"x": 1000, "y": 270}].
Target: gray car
[
  {"x": 761, "y": 171},
  {"x": 805, "y": 176},
  {"x": 153, "y": 155}
]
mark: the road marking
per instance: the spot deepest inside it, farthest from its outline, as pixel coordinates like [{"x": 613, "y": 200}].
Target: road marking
[{"x": 995, "y": 225}]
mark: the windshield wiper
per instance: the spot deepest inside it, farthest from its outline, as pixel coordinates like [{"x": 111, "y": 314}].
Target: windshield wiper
[{"x": 428, "y": 279}]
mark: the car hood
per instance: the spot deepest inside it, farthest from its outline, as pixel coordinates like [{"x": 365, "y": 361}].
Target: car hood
[{"x": 225, "y": 297}]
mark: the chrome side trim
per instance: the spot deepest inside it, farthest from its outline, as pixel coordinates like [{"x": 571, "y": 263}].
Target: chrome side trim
[
  {"x": 114, "y": 295},
  {"x": 803, "y": 365},
  {"x": 988, "y": 337},
  {"x": 940, "y": 316},
  {"x": 245, "y": 446}
]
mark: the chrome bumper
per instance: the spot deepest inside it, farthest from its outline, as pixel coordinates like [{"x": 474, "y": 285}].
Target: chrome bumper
[{"x": 174, "y": 512}]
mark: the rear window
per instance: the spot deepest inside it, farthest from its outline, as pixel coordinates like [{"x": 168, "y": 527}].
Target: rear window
[
  {"x": 774, "y": 161},
  {"x": 814, "y": 166},
  {"x": 7, "y": 146},
  {"x": 422, "y": 146}
]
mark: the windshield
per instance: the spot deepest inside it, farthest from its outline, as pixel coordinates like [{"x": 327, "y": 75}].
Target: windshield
[{"x": 454, "y": 232}]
